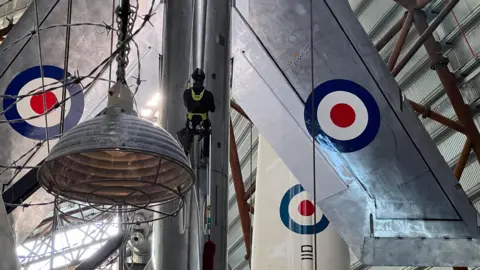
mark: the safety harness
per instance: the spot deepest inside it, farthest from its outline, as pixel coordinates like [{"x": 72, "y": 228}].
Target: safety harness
[{"x": 197, "y": 98}]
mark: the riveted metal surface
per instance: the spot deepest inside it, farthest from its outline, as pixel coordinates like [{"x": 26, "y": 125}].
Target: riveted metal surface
[{"x": 399, "y": 177}]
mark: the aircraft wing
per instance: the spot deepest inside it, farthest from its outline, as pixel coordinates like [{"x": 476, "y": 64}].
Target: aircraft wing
[{"x": 373, "y": 170}]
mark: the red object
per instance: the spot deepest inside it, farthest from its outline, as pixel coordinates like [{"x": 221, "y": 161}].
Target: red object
[
  {"x": 40, "y": 101},
  {"x": 208, "y": 255},
  {"x": 464, "y": 36},
  {"x": 342, "y": 115},
  {"x": 306, "y": 208}
]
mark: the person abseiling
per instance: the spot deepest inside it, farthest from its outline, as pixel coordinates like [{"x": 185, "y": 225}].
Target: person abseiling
[{"x": 199, "y": 102}]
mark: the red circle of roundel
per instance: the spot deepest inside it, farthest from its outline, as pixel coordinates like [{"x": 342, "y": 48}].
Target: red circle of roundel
[
  {"x": 342, "y": 115},
  {"x": 306, "y": 208},
  {"x": 344, "y": 144},
  {"x": 288, "y": 221},
  {"x": 72, "y": 117},
  {"x": 41, "y": 103}
]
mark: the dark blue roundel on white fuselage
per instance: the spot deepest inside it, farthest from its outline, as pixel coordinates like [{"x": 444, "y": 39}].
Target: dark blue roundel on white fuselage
[{"x": 305, "y": 208}]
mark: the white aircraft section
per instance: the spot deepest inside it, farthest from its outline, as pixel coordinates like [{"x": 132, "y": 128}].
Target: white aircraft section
[{"x": 290, "y": 233}]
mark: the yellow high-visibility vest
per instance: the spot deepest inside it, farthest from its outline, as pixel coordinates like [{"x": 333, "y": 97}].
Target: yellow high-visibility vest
[
  {"x": 197, "y": 98},
  {"x": 202, "y": 115}
]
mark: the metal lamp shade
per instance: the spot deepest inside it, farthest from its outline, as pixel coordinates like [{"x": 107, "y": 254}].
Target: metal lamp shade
[{"x": 117, "y": 159}]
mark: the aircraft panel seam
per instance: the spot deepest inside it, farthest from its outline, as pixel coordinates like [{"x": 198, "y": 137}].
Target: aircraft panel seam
[{"x": 391, "y": 106}]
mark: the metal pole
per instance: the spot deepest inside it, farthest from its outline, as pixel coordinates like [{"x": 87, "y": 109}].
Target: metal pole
[
  {"x": 198, "y": 37},
  {"x": 52, "y": 233},
  {"x": 123, "y": 16},
  {"x": 103, "y": 253},
  {"x": 383, "y": 41},
  {"x": 448, "y": 80},
  {"x": 424, "y": 36},
  {"x": 217, "y": 67},
  {"x": 121, "y": 251},
  {"x": 201, "y": 187},
  {"x": 462, "y": 161},
  {"x": 425, "y": 112},
  {"x": 170, "y": 239},
  {"x": 400, "y": 42},
  {"x": 240, "y": 192}
]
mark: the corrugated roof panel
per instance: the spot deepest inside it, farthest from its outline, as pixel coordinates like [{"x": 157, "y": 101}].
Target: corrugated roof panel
[
  {"x": 12, "y": 10},
  {"x": 355, "y": 3},
  {"x": 471, "y": 90},
  {"x": 471, "y": 176},
  {"x": 443, "y": 107},
  {"x": 373, "y": 13},
  {"x": 234, "y": 233},
  {"x": 393, "y": 20},
  {"x": 461, "y": 53},
  {"x": 240, "y": 127},
  {"x": 386, "y": 268},
  {"x": 236, "y": 255},
  {"x": 451, "y": 147},
  {"x": 428, "y": 81},
  {"x": 477, "y": 205},
  {"x": 465, "y": 7},
  {"x": 416, "y": 60}
]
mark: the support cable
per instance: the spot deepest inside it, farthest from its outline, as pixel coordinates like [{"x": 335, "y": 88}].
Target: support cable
[
  {"x": 65, "y": 65},
  {"x": 42, "y": 75},
  {"x": 464, "y": 35},
  {"x": 312, "y": 74}
]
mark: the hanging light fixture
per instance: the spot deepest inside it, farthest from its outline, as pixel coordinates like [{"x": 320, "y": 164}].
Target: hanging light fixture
[{"x": 117, "y": 158}]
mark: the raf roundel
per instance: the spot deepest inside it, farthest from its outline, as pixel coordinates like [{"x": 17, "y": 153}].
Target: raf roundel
[
  {"x": 27, "y": 115},
  {"x": 297, "y": 212},
  {"x": 342, "y": 115}
]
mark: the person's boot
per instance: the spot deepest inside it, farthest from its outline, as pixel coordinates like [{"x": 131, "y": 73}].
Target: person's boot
[{"x": 183, "y": 138}]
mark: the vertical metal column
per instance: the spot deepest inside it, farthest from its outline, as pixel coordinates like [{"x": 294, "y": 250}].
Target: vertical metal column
[
  {"x": 8, "y": 254},
  {"x": 198, "y": 39},
  {"x": 400, "y": 42},
  {"x": 170, "y": 240},
  {"x": 201, "y": 187},
  {"x": 121, "y": 228},
  {"x": 217, "y": 67}
]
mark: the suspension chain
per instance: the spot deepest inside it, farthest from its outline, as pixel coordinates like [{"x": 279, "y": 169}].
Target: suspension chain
[{"x": 123, "y": 33}]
